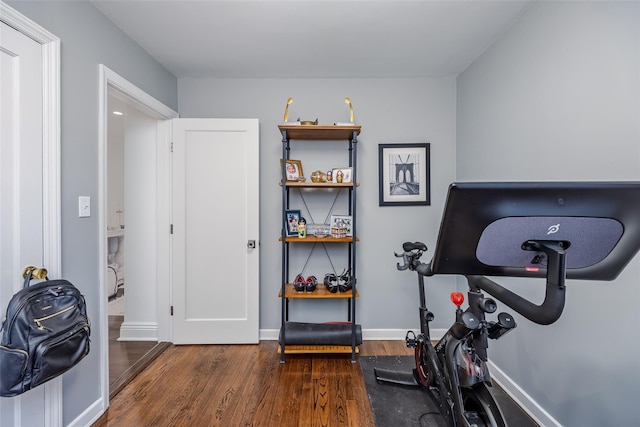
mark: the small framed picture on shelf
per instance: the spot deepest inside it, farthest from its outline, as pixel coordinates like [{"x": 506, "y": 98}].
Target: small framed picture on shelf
[
  {"x": 341, "y": 226},
  {"x": 291, "y": 220},
  {"x": 345, "y": 173},
  {"x": 293, "y": 169}
]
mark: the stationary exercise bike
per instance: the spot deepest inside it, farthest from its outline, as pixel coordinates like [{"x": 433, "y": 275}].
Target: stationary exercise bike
[{"x": 539, "y": 230}]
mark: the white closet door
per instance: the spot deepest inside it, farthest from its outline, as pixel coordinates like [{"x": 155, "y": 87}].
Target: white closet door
[
  {"x": 21, "y": 187},
  {"x": 215, "y": 217}
]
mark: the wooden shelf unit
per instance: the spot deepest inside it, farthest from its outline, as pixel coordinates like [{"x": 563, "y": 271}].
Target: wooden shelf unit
[{"x": 287, "y": 292}]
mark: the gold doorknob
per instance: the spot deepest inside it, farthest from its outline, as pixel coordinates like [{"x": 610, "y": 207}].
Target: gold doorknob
[{"x": 38, "y": 273}]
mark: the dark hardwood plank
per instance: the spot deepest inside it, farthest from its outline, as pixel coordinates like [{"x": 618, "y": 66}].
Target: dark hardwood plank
[
  {"x": 245, "y": 385},
  {"x": 117, "y": 384},
  {"x": 123, "y": 354}
]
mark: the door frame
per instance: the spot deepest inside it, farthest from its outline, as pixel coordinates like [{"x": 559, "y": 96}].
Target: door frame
[
  {"x": 153, "y": 107},
  {"x": 51, "y": 171}
]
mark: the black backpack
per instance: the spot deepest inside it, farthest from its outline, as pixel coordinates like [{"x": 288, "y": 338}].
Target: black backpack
[{"x": 45, "y": 333}]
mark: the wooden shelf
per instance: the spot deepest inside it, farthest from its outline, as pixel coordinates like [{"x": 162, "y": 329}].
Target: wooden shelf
[
  {"x": 314, "y": 239},
  {"x": 311, "y": 184},
  {"x": 320, "y": 292},
  {"x": 319, "y": 133},
  {"x": 305, "y": 349}
]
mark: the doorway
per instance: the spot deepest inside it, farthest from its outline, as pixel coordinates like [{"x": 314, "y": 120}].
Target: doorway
[
  {"x": 126, "y": 356},
  {"x": 134, "y": 153}
]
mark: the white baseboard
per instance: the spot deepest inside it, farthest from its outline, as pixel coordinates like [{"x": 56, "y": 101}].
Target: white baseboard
[
  {"x": 397, "y": 334},
  {"x": 268, "y": 334},
  {"x": 89, "y": 416},
  {"x": 138, "y": 331},
  {"x": 521, "y": 397}
]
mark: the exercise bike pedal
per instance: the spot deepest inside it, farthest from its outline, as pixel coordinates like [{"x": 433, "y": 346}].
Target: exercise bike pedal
[
  {"x": 473, "y": 419},
  {"x": 411, "y": 340},
  {"x": 504, "y": 324}
]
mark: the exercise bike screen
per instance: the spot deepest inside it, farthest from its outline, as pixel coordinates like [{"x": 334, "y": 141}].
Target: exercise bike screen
[
  {"x": 590, "y": 240},
  {"x": 484, "y": 226}
]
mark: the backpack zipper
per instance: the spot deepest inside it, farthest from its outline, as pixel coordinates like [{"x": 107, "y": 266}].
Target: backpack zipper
[
  {"x": 21, "y": 305},
  {"x": 19, "y": 350},
  {"x": 39, "y": 321}
]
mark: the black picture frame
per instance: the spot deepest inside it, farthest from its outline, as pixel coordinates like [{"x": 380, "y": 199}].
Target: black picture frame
[
  {"x": 291, "y": 220},
  {"x": 404, "y": 174}
]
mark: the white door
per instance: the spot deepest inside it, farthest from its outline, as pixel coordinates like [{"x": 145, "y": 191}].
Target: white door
[
  {"x": 21, "y": 187},
  {"x": 215, "y": 216}
]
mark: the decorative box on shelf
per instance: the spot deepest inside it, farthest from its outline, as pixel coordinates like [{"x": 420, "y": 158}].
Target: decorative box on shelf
[{"x": 338, "y": 232}]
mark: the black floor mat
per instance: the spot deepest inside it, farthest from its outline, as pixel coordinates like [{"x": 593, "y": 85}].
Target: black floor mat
[{"x": 402, "y": 406}]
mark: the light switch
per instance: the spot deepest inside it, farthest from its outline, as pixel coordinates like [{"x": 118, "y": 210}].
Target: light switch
[{"x": 84, "y": 206}]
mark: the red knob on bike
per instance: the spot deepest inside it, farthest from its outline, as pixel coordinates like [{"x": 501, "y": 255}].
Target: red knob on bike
[{"x": 457, "y": 298}]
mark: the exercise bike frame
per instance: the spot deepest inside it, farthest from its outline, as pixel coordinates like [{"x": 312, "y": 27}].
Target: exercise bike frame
[
  {"x": 511, "y": 229},
  {"x": 454, "y": 370}
]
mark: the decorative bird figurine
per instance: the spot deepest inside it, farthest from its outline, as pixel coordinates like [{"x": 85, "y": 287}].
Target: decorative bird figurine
[
  {"x": 348, "y": 101},
  {"x": 286, "y": 110}
]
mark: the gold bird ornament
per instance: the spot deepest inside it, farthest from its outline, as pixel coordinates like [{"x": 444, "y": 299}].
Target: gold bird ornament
[
  {"x": 286, "y": 110},
  {"x": 348, "y": 101}
]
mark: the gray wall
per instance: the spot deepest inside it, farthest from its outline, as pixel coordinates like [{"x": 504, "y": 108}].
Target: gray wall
[
  {"x": 556, "y": 98},
  {"x": 389, "y": 111},
  {"x": 88, "y": 39}
]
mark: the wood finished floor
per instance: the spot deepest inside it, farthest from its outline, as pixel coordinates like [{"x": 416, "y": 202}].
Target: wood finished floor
[
  {"x": 246, "y": 385},
  {"x": 123, "y": 354}
]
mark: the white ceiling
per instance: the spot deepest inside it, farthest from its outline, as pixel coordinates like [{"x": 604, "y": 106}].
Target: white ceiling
[{"x": 314, "y": 38}]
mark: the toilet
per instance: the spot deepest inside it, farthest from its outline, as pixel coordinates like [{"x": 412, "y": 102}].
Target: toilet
[{"x": 112, "y": 267}]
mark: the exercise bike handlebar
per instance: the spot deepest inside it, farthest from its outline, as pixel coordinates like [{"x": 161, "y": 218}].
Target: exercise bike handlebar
[
  {"x": 411, "y": 258},
  {"x": 544, "y": 314},
  {"x": 551, "y": 308}
]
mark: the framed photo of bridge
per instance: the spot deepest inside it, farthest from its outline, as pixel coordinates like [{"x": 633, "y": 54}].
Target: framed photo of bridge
[{"x": 403, "y": 173}]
